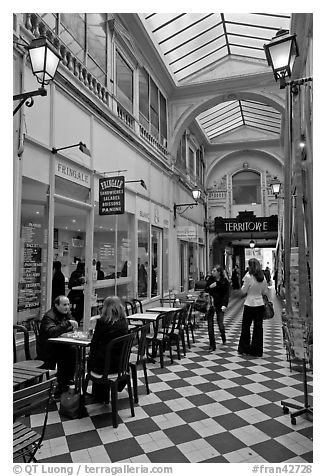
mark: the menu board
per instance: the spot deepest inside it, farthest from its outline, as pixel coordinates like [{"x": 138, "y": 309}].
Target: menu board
[
  {"x": 107, "y": 251},
  {"x": 29, "y": 286}
]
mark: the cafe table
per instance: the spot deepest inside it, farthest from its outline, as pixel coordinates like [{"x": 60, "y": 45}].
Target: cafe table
[
  {"x": 24, "y": 375},
  {"x": 80, "y": 341},
  {"x": 141, "y": 316},
  {"x": 160, "y": 309}
]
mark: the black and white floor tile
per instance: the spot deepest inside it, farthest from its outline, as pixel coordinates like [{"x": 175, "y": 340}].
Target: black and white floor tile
[{"x": 208, "y": 407}]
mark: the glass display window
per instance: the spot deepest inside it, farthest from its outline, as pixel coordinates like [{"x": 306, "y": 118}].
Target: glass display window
[
  {"x": 143, "y": 272},
  {"x": 31, "y": 292},
  {"x": 156, "y": 261}
]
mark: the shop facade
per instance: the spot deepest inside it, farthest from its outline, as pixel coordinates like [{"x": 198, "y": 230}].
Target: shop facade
[{"x": 57, "y": 211}]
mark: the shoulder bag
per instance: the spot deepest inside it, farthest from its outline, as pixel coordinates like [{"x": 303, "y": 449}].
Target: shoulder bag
[{"x": 268, "y": 308}]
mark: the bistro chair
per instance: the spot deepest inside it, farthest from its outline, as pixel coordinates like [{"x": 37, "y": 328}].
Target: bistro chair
[
  {"x": 137, "y": 302},
  {"x": 161, "y": 339},
  {"x": 28, "y": 359},
  {"x": 190, "y": 324},
  {"x": 129, "y": 308},
  {"x": 177, "y": 333},
  {"x": 26, "y": 442},
  {"x": 139, "y": 358},
  {"x": 112, "y": 380}
]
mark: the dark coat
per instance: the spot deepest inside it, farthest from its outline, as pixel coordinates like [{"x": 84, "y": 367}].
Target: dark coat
[
  {"x": 267, "y": 274},
  {"x": 58, "y": 285},
  {"x": 103, "y": 334},
  {"x": 220, "y": 293},
  {"x": 53, "y": 324}
]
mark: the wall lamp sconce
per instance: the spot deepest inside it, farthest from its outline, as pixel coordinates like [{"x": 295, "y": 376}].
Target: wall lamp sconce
[
  {"x": 252, "y": 244},
  {"x": 141, "y": 181},
  {"x": 44, "y": 61},
  {"x": 281, "y": 53},
  {"x": 81, "y": 145},
  {"x": 196, "y": 195},
  {"x": 276, "y": 186}
]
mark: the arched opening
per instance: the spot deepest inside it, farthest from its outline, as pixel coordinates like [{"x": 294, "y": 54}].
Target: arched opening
[{"x": 246, "y": 188}]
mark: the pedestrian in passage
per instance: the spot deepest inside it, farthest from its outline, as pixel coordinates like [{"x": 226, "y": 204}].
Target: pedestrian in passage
[
  {"x": 219, "y": 288},
  {"x": 254, "y": 287}
]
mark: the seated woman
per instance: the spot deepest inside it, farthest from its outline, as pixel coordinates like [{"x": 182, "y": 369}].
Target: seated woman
[{"x": 111, "y": 324}]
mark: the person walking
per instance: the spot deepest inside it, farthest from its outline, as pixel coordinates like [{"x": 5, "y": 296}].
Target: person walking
[
  {"x": 58, "y": 281},
  {"x": 111, "y": 324},
  {"x": 219, "y": 289},
  {"x": 76, "y": 296},
  {"x": 56, "y": 321},
  {"x": 235, "y": 278},
  {"x": 254, "y": 287}
]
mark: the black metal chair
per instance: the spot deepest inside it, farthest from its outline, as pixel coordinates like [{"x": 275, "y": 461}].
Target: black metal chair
[
  {"x": 190, "y": 324},
  {"x": 113, "y": 379},
  {"x": 28, "y": 359},
  {"x": 129, "y": 308},
  {"x": 26, "y": 442},
  {"x": 164, "y": 327},
  {"x": 137, "y": 302},
  {"x": 139, "y": 358}
]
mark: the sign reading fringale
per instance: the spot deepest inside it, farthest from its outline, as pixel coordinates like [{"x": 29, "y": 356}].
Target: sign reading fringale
[{"x": 112, "y": 195}]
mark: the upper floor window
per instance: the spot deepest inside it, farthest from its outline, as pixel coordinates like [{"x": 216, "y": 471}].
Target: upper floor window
[
  {"x": 200, "y": 165},
  {"x": 73, "y": 33},
  {"x": 85, "y": 35},
  {"x": 246, "y": 188},
  {"x": 144, "y": 97},
  {"x": 124, "y": 81},
  {"x": 154, "y": 112},
  {"x": 97, "y": 45},
  {"x": 152, "y": 107},
  {"x": 191, "y": 161}
]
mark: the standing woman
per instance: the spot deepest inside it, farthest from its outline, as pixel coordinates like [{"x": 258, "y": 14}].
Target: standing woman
[
  {"x": 219, "y": 288},
  {"x": 254, "y": 286},
  {"x": 111, "y": 324}
]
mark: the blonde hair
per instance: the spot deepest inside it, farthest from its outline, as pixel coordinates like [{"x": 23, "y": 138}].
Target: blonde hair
[{"x": 112, "y": 310}]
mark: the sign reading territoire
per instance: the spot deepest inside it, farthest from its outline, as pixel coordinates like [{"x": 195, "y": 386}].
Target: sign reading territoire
[
  {"x": 254, "y": 224},
  {"x": 112, "y": 195}
]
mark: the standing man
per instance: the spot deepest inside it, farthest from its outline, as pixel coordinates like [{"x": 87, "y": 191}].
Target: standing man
[
  {"x": 58, "y": 281},
  {"x": 57, "y": 321},
  {"x": 219, "y": 288},
  {"x": 267, "y": 274}
]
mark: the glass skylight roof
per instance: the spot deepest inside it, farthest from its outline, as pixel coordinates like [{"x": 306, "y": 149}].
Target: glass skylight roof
[
  {"x": 230, "y": 115},
  {"x": 189, "y": 42}
]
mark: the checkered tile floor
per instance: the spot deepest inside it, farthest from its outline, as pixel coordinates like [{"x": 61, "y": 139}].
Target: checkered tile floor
[{"x": 215, "y": 407}]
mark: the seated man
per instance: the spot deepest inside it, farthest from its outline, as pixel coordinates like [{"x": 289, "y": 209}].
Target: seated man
[{"x": 57, "y": 321}]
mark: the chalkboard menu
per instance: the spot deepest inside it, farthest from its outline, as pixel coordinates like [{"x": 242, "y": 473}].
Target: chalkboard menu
[
  {"x": 29, "y": 286},
  {"x": 112, "y": 195}
]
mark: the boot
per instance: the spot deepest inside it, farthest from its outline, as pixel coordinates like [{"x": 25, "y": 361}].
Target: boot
[{"x": 223, "y": 337}]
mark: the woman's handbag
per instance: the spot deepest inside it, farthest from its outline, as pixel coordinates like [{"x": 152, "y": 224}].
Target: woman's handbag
[
  {"x": 268, "y": 308},
  {"x": 70, "y": 404}
]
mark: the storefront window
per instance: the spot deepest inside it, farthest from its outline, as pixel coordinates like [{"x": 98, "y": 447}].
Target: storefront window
[
  {"x": 113, "y": 256},
  {"x": 165, "y": 264},
  {"x": 191, "y": 265},
  {"x": 143, "y": 259},
  {"x": 33, "y": 252},
  {"x": 156, "y": 262}
]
